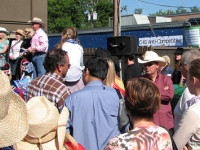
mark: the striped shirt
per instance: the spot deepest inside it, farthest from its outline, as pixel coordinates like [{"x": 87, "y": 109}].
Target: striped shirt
[{"x": 51, "y": 86}]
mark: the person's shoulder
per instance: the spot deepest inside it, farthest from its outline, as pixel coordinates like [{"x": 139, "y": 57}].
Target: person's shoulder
[
  {"x": 41, "y": 32},
  {"x": 72, "y": 45},
  {"x": 164, "y": 77},
  {"x": 36, "y": 80},
  {"x": 6, "y": 42}
]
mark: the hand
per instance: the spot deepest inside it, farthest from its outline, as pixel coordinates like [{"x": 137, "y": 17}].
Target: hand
[
  {"x": 31, "y": 49},
  {"x": 185, "y": 148},
  {"x": 11, "y": 57},
  {"x": 13, "y": 88},
  {"x": 166, "y": 88}
]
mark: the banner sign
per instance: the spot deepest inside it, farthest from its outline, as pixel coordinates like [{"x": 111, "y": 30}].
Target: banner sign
[
  {"x": 192, "y": 36},
  {"x": 162, "y": 41}
]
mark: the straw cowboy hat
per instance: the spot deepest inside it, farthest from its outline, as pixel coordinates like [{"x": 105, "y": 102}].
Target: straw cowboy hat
[
  {"x": 4, "y": 30},
  {"x": 38, "y": 21},
  {"x": 150, "y": 56},
  {"x": 13, "y": 116},
  {"x": 20, "y": 31},
  {"x": 47, "y": 128}
]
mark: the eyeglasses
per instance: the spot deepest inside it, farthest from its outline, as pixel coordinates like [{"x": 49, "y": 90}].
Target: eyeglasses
[{"x": 150, "y": 64}]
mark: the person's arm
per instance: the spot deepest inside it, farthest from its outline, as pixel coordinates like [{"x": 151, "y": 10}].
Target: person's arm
[
  {"x": 67, "y": 103},
  {"x": 186, "y": 128},
  {"x": 5, "y": 48},
  {"x": 168, "y": 93},
  {"x": 43, "y": 44}
]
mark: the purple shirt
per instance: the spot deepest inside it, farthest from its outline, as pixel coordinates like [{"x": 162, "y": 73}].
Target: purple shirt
[
  {"x": 40, "y": 41},
  {"x": 164, "y": 116}
]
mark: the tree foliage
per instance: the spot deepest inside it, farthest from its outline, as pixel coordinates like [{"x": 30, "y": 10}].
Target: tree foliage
[
  {"x": 65, "y": 13},
  {"x": 179, "y": 10},
  {"x": 138, "y": 11},
  {"x": 105, "y": 10},
  {"x": 194, "y": 9}
]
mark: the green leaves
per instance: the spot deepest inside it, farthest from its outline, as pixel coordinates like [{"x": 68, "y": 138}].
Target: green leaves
[{"x": 66, "y": 13}]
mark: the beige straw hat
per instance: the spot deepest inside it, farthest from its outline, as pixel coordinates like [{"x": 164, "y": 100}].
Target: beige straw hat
[
  {"x": 38, "y": 21},
  {"x": 13, "y": 116},
  {"x": 20, "y": 31},
  {"x": 47, "y": 128},
  {"x": 150, "y": 56}
]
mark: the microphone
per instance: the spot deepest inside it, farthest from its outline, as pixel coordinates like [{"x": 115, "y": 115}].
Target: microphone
[{"x": 28, "y": 32}]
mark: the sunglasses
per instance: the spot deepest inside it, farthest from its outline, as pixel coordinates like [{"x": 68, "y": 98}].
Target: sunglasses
[{"x": 150, "y": 64}]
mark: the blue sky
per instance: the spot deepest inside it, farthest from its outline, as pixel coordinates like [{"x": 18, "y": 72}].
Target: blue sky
[{"x": 150, "y": 9}]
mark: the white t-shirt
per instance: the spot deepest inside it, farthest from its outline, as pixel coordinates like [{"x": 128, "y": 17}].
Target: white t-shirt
[
  {"x": 188, "y": 130},
  {"x": 15, "y": 48},
  {"x": 181, "y": 107},
  {"x": 75, "y": 53}
]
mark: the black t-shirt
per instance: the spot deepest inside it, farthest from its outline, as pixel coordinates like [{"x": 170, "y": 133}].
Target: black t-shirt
[{"x": 132, "y": 71}]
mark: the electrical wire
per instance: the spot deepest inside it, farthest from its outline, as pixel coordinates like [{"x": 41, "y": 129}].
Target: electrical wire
[
  {"x": 164, "y": 5},
  {"x": 150, "y": 25}
]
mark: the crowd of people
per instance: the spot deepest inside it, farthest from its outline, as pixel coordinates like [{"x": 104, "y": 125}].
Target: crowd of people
[{"x": 51, "y": 100}]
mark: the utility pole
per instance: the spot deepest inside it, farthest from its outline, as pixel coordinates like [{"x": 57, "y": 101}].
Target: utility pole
[
  {"x": 117, "y": 18},
  {"x": 92, "y": 3}
]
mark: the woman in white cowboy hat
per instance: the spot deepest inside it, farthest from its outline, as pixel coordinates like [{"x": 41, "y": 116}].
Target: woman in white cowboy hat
[
  {"x": 4, "y": 44},
  {"x": 47, "y": 128},
  {"x": 13, "y": 116},
  {"x": 14, "y": 53},
  {"x": 152, "y": 62}
]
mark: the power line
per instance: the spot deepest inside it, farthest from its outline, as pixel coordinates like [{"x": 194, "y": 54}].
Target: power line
[{"x": 164, "y": 5}]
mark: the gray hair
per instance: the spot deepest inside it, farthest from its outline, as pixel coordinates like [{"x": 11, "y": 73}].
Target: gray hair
[{"x": 189, "y": 56}]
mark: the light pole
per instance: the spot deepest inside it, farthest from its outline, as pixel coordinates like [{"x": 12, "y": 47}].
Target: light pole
[{"x": 92, "y": 15}]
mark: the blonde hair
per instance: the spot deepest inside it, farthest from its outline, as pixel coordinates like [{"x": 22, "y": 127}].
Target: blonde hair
[
  {"x": 167, "y": 59},
  {"x": 31, "y": 32},
  {"x": 4, "y": 37},
  {"x": 110, "y": 78},
  {"x": 68, "y": 33}
]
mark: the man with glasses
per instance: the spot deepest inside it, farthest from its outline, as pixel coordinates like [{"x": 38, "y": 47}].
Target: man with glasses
[
  {"x": 51, "y": 85},
  {"x": 152, "y": 62},
  {"x": 39, "y": 46}
]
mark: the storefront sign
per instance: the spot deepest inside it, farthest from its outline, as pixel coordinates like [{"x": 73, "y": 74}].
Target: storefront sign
[
  {"x": 192, "y": 36},
  {"x": 162, "y": 41}
]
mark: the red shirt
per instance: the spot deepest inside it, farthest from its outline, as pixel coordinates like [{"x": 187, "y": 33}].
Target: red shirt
[{"x": 164, "y": 116}]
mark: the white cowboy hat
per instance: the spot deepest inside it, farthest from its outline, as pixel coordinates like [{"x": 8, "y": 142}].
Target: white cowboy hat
[
  {"x": 4, "y": 30},
  {"x": 13, "y": 116},
  {"x": 150, "y": 56},
  {"x": 47, "y": 128},
  {"x": 37, "y": 20}
]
